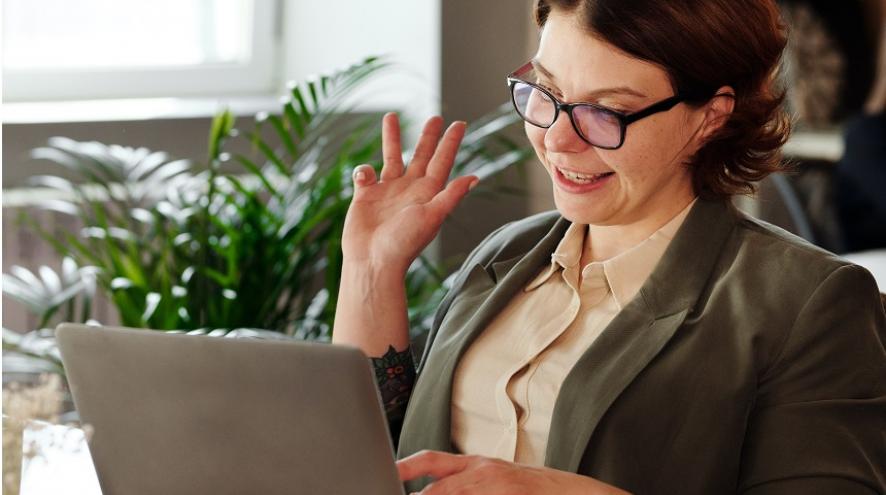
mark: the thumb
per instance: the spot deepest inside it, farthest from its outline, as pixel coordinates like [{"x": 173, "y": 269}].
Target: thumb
[
  {"x": 364, "y": 175},
  {"x": 432, "y": 463},
  {"x": 446, "y": 200}
]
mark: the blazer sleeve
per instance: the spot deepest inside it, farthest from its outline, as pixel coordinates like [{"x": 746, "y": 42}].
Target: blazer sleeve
[{"x": 818, "y": 425}]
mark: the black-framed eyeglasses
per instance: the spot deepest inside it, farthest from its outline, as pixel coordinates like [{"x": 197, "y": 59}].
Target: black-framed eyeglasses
[{"x": 597, "y": 125}]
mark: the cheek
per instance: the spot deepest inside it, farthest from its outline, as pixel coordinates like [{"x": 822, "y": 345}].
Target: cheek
[
  {"x": 653, "y": 151},
  {"x": 536, "y": 137},
  {"x": 636, "y": 170}
]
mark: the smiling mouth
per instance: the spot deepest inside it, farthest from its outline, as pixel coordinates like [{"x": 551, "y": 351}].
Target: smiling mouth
[{"x": 582, "y": 178}]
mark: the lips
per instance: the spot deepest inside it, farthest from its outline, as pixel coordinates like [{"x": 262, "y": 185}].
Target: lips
[
  {"x": 582, "y": 177},
  {"x": 580, "y": 183}
]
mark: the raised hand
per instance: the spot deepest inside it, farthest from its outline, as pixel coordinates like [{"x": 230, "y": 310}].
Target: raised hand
[{"x": 392, "y": 218}]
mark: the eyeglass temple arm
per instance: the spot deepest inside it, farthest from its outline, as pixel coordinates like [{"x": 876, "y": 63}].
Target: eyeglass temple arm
[
  {"x": 520, "y": 70},
  {"x": 663, "y": 106}
]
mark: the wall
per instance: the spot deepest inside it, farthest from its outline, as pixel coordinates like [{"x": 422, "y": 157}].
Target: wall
[
  {"x": 322, "y": 35},
  {"x": 482, "y": 41}
]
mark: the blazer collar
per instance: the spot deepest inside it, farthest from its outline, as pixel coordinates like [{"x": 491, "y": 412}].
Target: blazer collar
[{"x": 626, "y": 346}]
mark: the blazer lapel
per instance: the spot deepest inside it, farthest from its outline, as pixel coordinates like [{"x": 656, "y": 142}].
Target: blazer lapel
[
  {"x": 601, "y": 374},
  {"x": 637, "y": 334},
  {"x": 482, "y": 297}
]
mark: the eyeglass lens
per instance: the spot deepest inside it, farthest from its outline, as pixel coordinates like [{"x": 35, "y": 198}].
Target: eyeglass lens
[{"x": 597, "y": 126}]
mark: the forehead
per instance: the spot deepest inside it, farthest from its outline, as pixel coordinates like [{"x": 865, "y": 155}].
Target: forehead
[{"x": 581, "y": 62}]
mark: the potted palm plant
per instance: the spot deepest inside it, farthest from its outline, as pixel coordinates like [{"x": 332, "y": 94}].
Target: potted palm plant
[{"x": 250, "y": 240}]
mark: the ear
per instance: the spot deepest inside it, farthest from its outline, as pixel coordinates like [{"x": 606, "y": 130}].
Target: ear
[{"x": 718, "y": 110}]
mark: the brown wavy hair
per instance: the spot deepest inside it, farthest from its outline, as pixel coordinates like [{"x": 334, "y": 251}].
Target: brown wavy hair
[{"x": 704, "y": 45}]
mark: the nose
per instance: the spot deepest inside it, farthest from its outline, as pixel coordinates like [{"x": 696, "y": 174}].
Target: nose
[{"x": 562, "y": 137}]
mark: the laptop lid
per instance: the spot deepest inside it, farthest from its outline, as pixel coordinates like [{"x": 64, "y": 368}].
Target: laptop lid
[{"x": 175, "y": 413}]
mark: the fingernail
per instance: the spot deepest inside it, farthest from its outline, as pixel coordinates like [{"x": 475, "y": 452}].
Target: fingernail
[
  {"x": 473, "y": 184},
  {"x": 359, "y": 175}
]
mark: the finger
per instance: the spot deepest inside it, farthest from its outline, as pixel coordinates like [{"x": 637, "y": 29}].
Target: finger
[
  {"x": 363, "y": 176},
  {"x": 431, "y": 463},
  {"x": 446, "y": 200},
  {"x": 441, "y": 164},
  {"x": 391, "y": 149},
  {"x": 462, "y": 482},
  {"x": 424, "y": 150}
]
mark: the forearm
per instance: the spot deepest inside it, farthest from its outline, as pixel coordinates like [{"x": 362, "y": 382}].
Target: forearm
[
  {"x": 371, "y": 314},
  {"x": 371, "y": 309}
]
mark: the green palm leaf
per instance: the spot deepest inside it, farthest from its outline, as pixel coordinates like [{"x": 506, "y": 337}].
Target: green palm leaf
[{"x": 254, "y": 247}]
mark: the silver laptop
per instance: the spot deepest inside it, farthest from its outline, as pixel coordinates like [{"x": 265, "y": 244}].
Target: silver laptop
[{"x": 175, "y": 413}]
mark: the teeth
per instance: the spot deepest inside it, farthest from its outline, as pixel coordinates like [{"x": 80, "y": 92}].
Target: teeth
[{"x": 580, "y": 178}]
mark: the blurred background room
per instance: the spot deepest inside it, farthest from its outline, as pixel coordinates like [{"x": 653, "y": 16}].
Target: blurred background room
[{"x": 184, "y": 164}]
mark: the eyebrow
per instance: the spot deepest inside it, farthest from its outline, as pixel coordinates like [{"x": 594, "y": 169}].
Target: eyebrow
[{"x": 619, "y": 90}]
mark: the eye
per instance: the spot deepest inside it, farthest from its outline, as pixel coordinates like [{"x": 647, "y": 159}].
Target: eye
[{"x": 615, "y": 107}]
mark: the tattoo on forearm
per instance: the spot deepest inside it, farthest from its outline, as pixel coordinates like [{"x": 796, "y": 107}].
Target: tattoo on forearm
[{"x": 395, "y": 374}]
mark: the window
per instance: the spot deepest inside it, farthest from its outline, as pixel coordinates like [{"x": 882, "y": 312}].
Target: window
[{"x": 63, "y": 49}]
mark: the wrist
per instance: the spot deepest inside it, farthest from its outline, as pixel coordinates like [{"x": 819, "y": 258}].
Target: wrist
[
  {"x": 371, "y": 311},
  {"x": 373, "y": 269}
]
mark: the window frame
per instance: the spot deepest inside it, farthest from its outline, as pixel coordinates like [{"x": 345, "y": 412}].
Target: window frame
[{"x": 257, "y": 76}]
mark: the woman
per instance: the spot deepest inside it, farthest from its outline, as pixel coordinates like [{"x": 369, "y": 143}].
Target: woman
[{"x": 645, "y": 337}]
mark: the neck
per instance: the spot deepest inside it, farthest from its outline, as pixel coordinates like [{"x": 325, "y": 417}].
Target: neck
[{"x": 608, "y": 241}]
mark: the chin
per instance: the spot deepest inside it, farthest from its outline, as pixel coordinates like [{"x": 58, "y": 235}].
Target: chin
[{"x": 578, "y": 213}]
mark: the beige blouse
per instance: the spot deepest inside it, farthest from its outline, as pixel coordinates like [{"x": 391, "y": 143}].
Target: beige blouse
[{"x": 506, "y": 384}]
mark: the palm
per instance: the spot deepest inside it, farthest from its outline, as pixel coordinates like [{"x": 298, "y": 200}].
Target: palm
[
  {"x": 395, "y": 214},
  {"x": 392, "y": 220}
]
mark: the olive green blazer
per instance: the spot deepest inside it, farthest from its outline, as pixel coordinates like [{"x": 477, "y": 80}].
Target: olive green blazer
[{"x": 750, "y": 362}]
